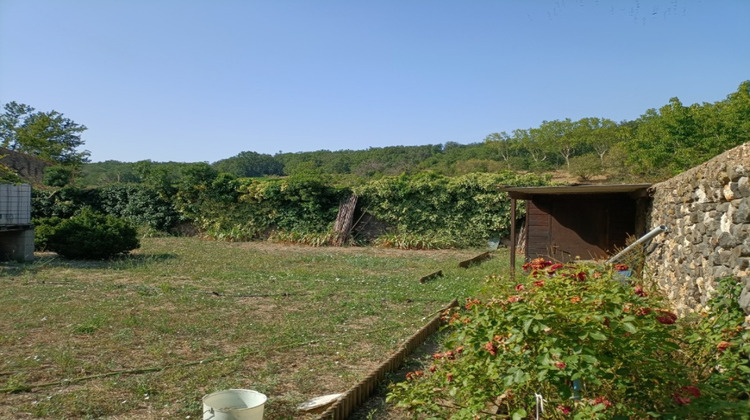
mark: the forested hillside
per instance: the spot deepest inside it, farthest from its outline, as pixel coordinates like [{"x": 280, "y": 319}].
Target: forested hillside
[{"x": 660, "y": 143}]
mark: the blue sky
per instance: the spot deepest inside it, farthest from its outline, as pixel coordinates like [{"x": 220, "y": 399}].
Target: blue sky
[{"x": 189, "y": 81}]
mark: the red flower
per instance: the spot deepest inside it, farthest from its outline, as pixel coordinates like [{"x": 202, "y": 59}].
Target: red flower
[
  {"x": 470, "y": 303},
  {"x": 643, "y": 311},
  {"x": 449, "y": 355},
  {"x": 575, "y": 299},
  {"x": 602, "y": 400},
  {"x": 539, "y": 283},
  {"x": 449, "y": 377},
  {"x": 581, "y": 276},
  {"x": 554, "y": 267},
  {"x": 519, "y": 287},
  {"x": 459, "y": 349},
  {"x": 514, "y": 298},
  {"x": 433, "y": 368},
  {"x": 695, "y": 392},
  {"x": 537, "y": 264},
  {"x": 682, "y": 396},
  {"x": 723, "y": 345},
  {"x": 491, "y": 347},
  {"x": 560, "y": 365},
  {"x": 414, "y": 375},
  {"x": 666, "y": 317},
  {"x": 566, "y": 409},
  {"x": 639, "y": 291},
  {"x": 621, "y": 267}
]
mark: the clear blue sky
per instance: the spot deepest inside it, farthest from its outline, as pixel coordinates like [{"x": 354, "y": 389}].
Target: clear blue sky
[{"x": 189, "y": 80}]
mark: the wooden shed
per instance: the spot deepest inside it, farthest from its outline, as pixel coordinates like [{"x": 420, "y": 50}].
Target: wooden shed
[{"x": 579, "y": 221}]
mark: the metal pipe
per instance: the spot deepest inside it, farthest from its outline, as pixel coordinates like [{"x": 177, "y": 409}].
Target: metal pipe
[{"x": 657, "y": 230}]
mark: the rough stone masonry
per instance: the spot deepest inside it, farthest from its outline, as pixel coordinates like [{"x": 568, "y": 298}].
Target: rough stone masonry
[{"x": 707, "y": 212}]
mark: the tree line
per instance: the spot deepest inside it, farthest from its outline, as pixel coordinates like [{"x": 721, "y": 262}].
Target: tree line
[{"x": 659, "y": 144}]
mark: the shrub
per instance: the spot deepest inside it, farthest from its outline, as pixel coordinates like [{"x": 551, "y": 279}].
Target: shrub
[
  {"x": 43, "y": 229},
  {"x": 57, "y": 176},
  {"x": 575, "y": 342},
  {"x": 139, "y": 204},
  {"x": 91, "y": 235}
]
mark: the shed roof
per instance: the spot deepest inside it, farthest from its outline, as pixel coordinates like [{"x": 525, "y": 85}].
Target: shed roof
[{"x": 525, "y": 193}]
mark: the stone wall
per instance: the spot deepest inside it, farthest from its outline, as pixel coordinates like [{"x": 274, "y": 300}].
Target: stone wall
[
  {"x": 27, "y": 167},
  {"x": 707, "y": 213}
]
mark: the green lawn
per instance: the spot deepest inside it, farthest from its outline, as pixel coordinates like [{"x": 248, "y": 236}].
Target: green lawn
[{"x": 148, "y": 335}]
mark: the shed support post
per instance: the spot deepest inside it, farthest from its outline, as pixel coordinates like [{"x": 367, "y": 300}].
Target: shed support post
[{"x": 513, "y": 239}]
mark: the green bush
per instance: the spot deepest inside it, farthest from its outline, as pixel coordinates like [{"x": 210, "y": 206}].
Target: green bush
[
  {"x": 91, "y": 235},
  {"x": 140, "y": 204},
  {"x": 43, "y": 229}
]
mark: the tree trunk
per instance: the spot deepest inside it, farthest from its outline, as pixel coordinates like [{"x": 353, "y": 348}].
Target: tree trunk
[{"x": 344, "y": 219}]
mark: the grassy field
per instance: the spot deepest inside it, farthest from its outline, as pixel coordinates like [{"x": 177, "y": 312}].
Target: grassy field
[{"x": 148, "y": 335}]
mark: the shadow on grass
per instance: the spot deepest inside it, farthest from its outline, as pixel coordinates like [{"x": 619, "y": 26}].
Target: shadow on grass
[{"x": 48, "y": 260}]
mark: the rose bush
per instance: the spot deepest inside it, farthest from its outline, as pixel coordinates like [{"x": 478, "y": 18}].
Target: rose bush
[{"x": 570, "y": 342}]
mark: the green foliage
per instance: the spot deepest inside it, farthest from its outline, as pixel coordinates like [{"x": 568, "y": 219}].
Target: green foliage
[
  {"x": 590, "y": 347},
  {"x": 63, "y": 202},
  {"x": 586, "y": 166},
  {"x": 677, "y": 137},
  {"x": 47, "y": 135},
  {"x": 57, "y": 176},
  {"x": 466, "y": 210},
  {"x": 91, "y": 235},
  {"x": 139, "y": 204},
  {"x": 404, "y": 240},
  {"x": 108, "y": 172},
  {"x": 43, "y": 229},
  {"x": 250, "y": 164}
]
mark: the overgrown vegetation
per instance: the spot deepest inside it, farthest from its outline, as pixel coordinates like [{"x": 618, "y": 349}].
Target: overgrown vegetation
[{"x": 571, "y": 341}]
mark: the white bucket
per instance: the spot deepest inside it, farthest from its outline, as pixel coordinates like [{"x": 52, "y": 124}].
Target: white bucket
[{"x": 234, "y": 404}]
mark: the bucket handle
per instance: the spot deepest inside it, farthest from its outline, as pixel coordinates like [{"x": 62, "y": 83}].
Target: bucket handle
[{"x": 210, "y": 410}]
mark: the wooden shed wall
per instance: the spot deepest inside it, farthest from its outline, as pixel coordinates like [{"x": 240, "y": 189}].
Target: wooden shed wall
[{"x": 563, "y": 227}]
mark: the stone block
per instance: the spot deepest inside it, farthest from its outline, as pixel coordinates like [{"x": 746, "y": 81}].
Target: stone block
[
  {"x": 728, "y": 241},
  {"x": 743, "y": 186},
  {"x": 742, "y": 213}
]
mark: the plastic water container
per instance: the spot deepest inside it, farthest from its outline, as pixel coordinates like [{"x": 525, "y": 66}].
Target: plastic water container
[{"x": 234, "y": 404}]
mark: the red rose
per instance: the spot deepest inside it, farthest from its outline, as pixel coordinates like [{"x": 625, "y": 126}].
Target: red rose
[
  {"x": 560, "y": 365},
  {"x": 491, "y": 347},
  {"x": 723, "y": 345},
  {"x": 565, "y": 409},
  {"x": 666, "y": 317},
  {"x": 602, "y": 400}
]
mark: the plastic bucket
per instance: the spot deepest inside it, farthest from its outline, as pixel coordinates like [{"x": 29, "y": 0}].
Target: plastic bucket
[{"x": 234, "y": 404}]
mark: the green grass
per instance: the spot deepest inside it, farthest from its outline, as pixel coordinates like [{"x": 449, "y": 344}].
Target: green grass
[{"x": 125, "y": 339}]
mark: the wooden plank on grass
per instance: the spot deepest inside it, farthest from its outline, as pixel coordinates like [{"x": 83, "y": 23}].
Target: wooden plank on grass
[
  {"x": 432, "y": 276},
  {"x": 476, "y": 260}
]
